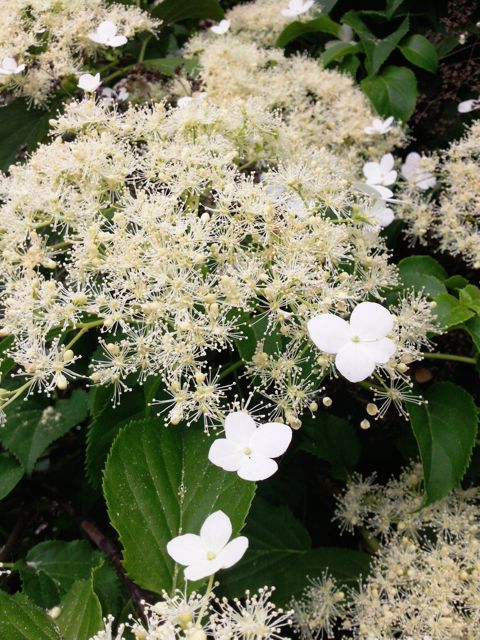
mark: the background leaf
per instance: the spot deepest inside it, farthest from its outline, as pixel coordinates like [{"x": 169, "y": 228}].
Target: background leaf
[
  {"x": 393, "y": 92},
  {"x": 445, "y": 430},
  {"x": 296, "y": 30},
  {"x": 11, "y": 472},
  {"x": 420, "y": 52},
  {"x": 423, "y": 273},
  {"x": 81, "y": 613},
  {"x": 174, "y": 11},
  {"x": 158, "y": 483},
  {"x": 22, "y": 620}
]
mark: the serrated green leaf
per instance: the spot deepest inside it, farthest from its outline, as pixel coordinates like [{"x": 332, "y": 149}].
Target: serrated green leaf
[
  {"x": 27, "y": 434},
  {"x": 423, "y": 273},
  {"x": 106, "y": 585},
  {"x": 81, "y": 613},
  {"x": 446, "y": 45},
  {"x": 337, "y": 52},
  {"x": 332, "y": 439},
  {"x": 11, "y": 472},
  {"x": 386, "y": 46},
  {"x": 63, "y": 562},
  {"x": 295, "y": 30},
  {"x": 157, "y": 483},
  {"x": 445, "y": 430},
  {"x": 472, "y": 327},
  {"x": 39, "y": 587},
  {"x": 20, "y": 619},
  {"x": 455, "y": 282},
  {"x": 450, "y": 312},
  {"x": 171, "y": 11},
  {"x": 393, "y": 92},
  {"x": 420, "y": 52},
  {"x": 392, "y": 6},
  {"x": 469, "y": 296},
  {"x": 280, "y": 553}
]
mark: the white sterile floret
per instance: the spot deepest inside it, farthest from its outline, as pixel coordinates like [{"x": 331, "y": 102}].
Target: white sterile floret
[
  {"x": 381, "y": 174},
  {"x": 468, "y": 105},
  {"x": 248, "y": 449},
  {"x": 345, "y": 36},
  {"x": 222, "y": 27},
  {"x": 361, "y": 344},
  {"x": 212, "y": 550},
  {"x": 10, "y": 67},
  {"x": 297, "y": 7},
  {"x": 413, "y": 172},
  {"x": 381, "y": 214},
  {"x": 106, "y": 34},
  {"x": 379, "y": 126},
  {"x": 89, "y": 82}
]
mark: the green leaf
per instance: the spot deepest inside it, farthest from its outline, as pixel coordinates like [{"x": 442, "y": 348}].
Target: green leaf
[
  {"x": 11, "y": 472},
  {"x": 455, "y": 282},
  {"x": 106, "y": 585},
  {"x": 297, "y": 30},
  {"x": 21, "y": 128},
  {"x": 280, "y": 553},
  {"x": 393, "y": 92},
  {"x": 445, "y": 430},
  {"x": 169, "y": 66},
  {"x": 22, "y": 620},
  {"x": 446, "y": 45},
  {"x": 449, "y": 311},
  {"x": 469, "y": 296},
  {"x": 472, "y": 327},
  {"x": 420, "y": 52},
  {"x": 332, "y": 439},
  {"x": 337, "y": 51},
  {"x": 28, "y": 433},
  {"x": 63, "y": 562},
  {"x": 386, "y": 46},
  {"x": 171, "y": 11},
  {"x": 41, "y": 589},
  {"x": 81, "y": 613},
  {"x": 157, "y": 483},
  {"x": 392, "y": 6},
  {"x": 423, "y": 273}
]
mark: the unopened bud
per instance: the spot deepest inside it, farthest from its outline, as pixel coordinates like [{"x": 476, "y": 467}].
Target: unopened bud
[
  {"x": 372, "y": 409},
  {"x": 327, "y": 402},
  {"x": 365, "y": 424},
  {"x": 68, "y": 355},
  {"x": 61, "y": 381},
  {"x": 54, "y": 612},
  {"x": 313, "y": 406}
]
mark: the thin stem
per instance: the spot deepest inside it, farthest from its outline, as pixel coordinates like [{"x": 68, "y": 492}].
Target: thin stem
[
  {"x": 118, "y": 73},
  {"x": 141, "y": 55},
  {"x": 450, "y": 356},
  {"x": 233, "y": 367},
  {"x": 16, "y": 394},
  {"x": 204, "y": 605}
]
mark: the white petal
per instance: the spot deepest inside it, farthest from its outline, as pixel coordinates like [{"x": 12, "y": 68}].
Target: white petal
[
  {"x": 257, "y": 468},
  {"x": 370, "y": 321},
  {"x": 271, "y": 439},
  {"x": 94, "y": 37},
  {"x": 106, "y": 30},
  {"x": 328, "y": 332},
  {"x": 186, "y": 549},
  {"x": 389, "y": 121},
  {"x": 387, "y": 162},
  {"x": 239, "y": 427},
  {"x": 226, "y": 454},
  {"x": 216, "y": 531},
  {"x": 384, "y": 192},
  {"x": 233, "y": 552},
  {"x": 381, "y": 350},
  {"x": 371, "y": 170},
  {"x": 117, "y": 41},
  {"x": 354, "y": 362},
  {"x": 9, "y": 64},
  {"x": 468, "y": 105},
  {"x": 409, "y": 167},
  {"x": 426, "y": 181},
  {"x": 201, "y": 570},
  {"x": 389, "y": 178}
]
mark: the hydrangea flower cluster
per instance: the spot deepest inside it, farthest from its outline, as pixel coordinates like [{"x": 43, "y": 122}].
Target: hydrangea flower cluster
[
  {"x": 424, "y": 581},
  {"x": 44, "y": 41}
]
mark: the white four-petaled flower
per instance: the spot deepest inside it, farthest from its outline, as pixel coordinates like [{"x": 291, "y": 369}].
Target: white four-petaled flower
[
  {"x": 205, "y": 554},
  {"x": 10, "y": 67},
  {"x": 297, "y": 7},
  {"x": 380, "y": 127},
  {"x": 222, "y": 27},
  {"x": 380, "y": 175},
  {"x": 106, "y": 34},
  {"x": 89, "y": 83},
  {"x": 360, "y": 344},
  {"x": 468, "y": 105},
  {"x": 413, "y": 171},
  {"x": 248, "y": 449},
  {"x": 381, "y": 214}
]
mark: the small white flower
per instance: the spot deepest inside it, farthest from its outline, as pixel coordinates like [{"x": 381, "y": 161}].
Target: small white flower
[
  {"x": 292, "y": 201},
  {"x": 360, "y": 344},
  {"x": 106, "y": 34},
  {"x": 10, "y": 67},
  {"x": 381, "y": 174},
  {"x": 209, "y": 552},
  {"x": 248, "y": 449},
  {"x": 468, "y": 105},
  {"x": 221, "y": 28},
  {"x": 381, "y": 214},
  {"x": 186, "y": 100},
  {"x": 345, "y": 36},
  {"x": 89, "y": 83},
  {"x": 379, "y": 126},
  {"x": 413, "y": 172},
  {"x": 297, "y": 7}
]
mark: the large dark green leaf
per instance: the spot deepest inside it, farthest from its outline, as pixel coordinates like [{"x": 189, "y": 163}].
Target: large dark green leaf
[
  {"x": 393, "y": 92},
  {"x": 22, "y": 620},
  {"x": 445, "y": 430},
  {"x": 450, "y": 312},
  {"x": 28, "y": 433},
  {"x": 423, "y": 273},
  {"x": 81, "y": 613},
  {"x": 280, "y": 554},
  {"x": 420, "y": 52},
  {"x": 171, "y": 11},
  {"x": 296, "y": 30},
  {"x": 11, "y": 472},
  {"x": 158, "y": 482},
  {"x": 21, "y": 129}
]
